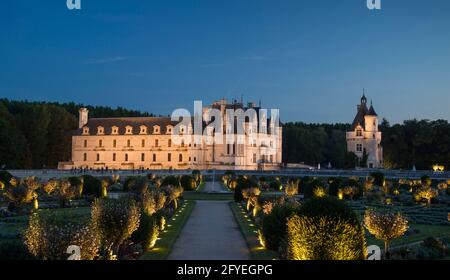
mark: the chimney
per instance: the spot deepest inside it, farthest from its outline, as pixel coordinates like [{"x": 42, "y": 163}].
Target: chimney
[{"x": 83, "y": 117}]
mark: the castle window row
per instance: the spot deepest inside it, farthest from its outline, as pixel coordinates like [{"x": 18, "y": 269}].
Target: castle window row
[
  {"x": 126, "y": 157},
  {"x": 143, "y": 129}
]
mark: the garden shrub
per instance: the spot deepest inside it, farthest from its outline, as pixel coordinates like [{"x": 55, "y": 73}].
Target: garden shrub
[
  {"x": 188, "y": 183},
  {"x": 275, "y": 185},
  {"x": 197, "y": 176},
  {"x": 48, "y": 236},
  {"x": 139, "y": 185},
  {"x": 170, "y": 181},
  {"x": 273, "y": 224},
  {"x": 148, "y": 231},
  {"x": 5, "y": 177},
  {"x": 308, "y": 185},
  {"x": 334, "y": 185},
  {"x": 128, "y": 182},
  {"x": 243, "y": 182},
  {"x": 325, "y": 229},
  {"x": 115, "y": 220},
  {"x": 378, "y": 178},
  {"x": 92, "y": 186}
]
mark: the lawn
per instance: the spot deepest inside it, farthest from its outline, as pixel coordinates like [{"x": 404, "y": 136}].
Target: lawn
[
  {"x": 168, "y": 237},
  {"x": 249, "y": 231}
]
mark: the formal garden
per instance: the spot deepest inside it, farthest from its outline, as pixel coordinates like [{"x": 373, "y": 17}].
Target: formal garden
[
  {"x": 137, "y": 217},
  {"x": 338, "y": 218},
  {"x": 141, "y": 217}
]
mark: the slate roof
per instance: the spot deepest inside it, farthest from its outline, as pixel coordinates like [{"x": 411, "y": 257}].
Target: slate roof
[{"x": 361, "y": 113}]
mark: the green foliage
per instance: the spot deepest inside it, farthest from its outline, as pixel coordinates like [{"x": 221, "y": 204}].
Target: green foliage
[
  {"x": 115, "y": 220},
  {"x": 325, "y": 229},
  {"x": 335, "y": 184},
  {"x": 275, "y": 185},
  {"x": 378, "y": 178},
  {"x": 137, "y": 185},
  {"x": 92, "y": 186},
  {"x": 197, "y": 176},
  {"x": 188, "y": 183},
  {"x": 38, "y": 134},
  {"x": 170, "y": 181},
  {"x": 47, "y": 237},
  {"x": 147, "y": 232},
  {"x": 273, "y": 224},
  {"x": 5, "y": 177},
  {"x": 243, "y": 182}
]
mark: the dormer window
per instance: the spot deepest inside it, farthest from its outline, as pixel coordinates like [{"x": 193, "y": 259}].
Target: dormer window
[
  {"x": 86, "y": 130},
  {"x": 143, "y": 129},
  {"x": 128, "y": 130},
  {"x": 114, "y": 130},
  {"x": 100, "y": 130},
  {"x": 169, "y": 129},
  {"x": 156, "y": 129}
]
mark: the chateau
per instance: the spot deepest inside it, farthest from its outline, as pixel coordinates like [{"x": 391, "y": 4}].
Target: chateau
[
  {"x": 363, "y": 138},
  {"x": 148, "y": 143}
]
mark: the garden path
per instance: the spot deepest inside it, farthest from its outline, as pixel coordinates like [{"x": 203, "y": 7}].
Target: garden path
[{"x": 211, "y": 233}]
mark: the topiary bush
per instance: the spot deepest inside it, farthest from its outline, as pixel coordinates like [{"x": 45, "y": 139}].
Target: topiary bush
[
  {"x": 243, "y": 182},
  {"x": 170, "y": 181},
  {"x": 92, "y": 186},
  {"x": 188, "y": 183},
  {"x": 273, "y": 224},
  {"x": 325, "y": 229},
  {"x": 148, "y": 231},
  {"x": 5, "y": 177},
  {"x": 48, "y": 237},
  {"x": 334, "y": 185},
  {"x": 378, "y": 178},
  {"x": 115, "y": 220}
]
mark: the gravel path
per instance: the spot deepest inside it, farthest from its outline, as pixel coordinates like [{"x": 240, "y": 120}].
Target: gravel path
[{"x": 211, "y": 233}]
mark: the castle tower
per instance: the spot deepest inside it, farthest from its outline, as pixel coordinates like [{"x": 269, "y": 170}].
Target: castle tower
[{"x": 364, "y": 138}]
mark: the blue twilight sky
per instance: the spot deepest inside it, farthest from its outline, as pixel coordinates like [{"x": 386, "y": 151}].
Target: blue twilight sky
[{"x": 311, "y": 58}]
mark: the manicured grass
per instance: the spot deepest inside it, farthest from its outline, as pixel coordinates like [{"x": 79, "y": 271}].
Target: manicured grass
[
  {"x": 249, "y": 231},
  {"x": 168, "y": 237},
  {"x": 425, "y": 231},
  {"x": 207, "y": 196}
]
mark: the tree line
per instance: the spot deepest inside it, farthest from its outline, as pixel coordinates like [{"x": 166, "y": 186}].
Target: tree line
[
  {"x": 38, "y": 135},
  {"x": 419, "y": 143}
]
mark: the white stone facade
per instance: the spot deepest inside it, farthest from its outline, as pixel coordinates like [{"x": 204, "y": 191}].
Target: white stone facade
[
  {"x": 365, "y": 136},
  {"x": 147, "y": 143}
]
